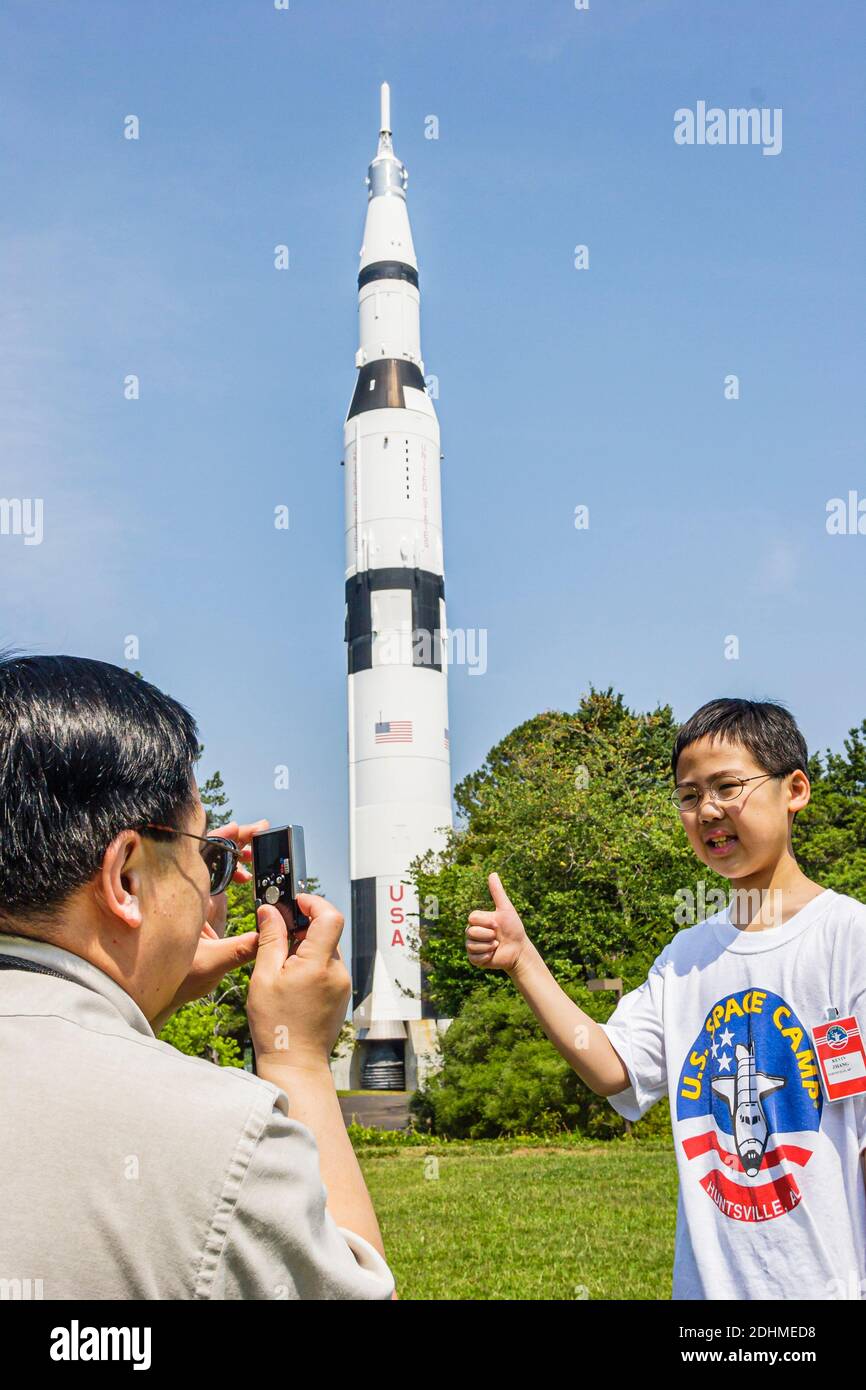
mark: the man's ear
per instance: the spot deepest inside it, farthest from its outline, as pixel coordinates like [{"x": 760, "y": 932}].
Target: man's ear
[
  {"x": 119, "y": 879},
  {"x": 800, "y": 791}
]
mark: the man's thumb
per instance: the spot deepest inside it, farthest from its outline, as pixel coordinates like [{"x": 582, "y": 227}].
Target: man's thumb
[
  {"x": 273, "y": 941},
  {"x": 238, "y": 950}
]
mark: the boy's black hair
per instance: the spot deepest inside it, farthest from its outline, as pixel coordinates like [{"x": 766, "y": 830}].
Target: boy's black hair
[
  {"x": 86, "y": 750},
  {"x": 764, "y": 727}
]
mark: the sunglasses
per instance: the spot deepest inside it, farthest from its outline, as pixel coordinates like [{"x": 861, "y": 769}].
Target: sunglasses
[{"x": 219, "y": 854}]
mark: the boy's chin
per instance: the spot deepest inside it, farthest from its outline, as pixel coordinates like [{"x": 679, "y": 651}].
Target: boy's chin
[{"x": 737, "y": 865}]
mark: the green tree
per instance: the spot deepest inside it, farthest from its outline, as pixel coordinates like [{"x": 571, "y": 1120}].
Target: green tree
[
  {"x": 214, "y": 800},
  {"x": 501, "y": 1076},
  {"x": 829, "y": 836}
]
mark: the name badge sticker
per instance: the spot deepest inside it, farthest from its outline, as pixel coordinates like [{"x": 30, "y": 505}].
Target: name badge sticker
[{"x": 841, "y": 1058}]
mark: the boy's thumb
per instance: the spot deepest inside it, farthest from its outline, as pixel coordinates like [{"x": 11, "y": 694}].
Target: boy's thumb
[{"x": 497, "y": 892}]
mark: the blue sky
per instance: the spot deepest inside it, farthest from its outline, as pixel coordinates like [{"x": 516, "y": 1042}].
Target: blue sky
[{"x": 558, "y": 387}]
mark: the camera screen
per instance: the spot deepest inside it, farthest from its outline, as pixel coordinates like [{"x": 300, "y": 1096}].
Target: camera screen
[{"x": 273, "y": 855}]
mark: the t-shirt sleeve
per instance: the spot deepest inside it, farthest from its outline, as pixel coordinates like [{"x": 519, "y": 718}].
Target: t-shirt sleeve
[
  {"x": 636, "y": 1031},
  {"x": 281, "y": 1241}
]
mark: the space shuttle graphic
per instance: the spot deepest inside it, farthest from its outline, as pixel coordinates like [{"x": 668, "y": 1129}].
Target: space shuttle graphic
[{"x": 744, "y": 1094}]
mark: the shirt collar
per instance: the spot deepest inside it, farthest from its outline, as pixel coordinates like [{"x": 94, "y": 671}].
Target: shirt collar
[
  {"x": 735, "y": 938},
  {"x": 80, "y": 970}
]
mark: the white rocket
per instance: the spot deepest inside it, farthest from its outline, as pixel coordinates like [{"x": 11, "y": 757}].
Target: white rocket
[
  {"x": 399, "y": 763},
  {"x": 744, "y": 1094}
]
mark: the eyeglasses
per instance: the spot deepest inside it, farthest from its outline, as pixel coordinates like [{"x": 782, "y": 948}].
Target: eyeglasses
[
  {"x": 219, "y": 854},
  {"x": 689, "y": 798}
]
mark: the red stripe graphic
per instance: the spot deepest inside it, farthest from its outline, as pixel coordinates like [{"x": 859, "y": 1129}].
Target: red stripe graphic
[
  {"x": 742, "y": 1203},
  {"x": 707, "y": 1142}
]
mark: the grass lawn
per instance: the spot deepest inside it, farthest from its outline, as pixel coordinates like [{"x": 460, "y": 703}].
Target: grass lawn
[{"x": 503, "y": 1221}]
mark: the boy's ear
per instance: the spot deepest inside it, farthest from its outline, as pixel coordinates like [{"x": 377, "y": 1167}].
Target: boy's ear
[
  {"x": 800, "y": 791},
  {"x": 119, "y": 878}
]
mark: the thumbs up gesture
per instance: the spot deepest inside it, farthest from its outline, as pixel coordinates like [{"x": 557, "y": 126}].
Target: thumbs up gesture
[{"x": 495, "y": 940}]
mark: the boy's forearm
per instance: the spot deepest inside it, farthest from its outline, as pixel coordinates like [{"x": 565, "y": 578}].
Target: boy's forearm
[
  {"x": 313, "y": 1101},
  {"x": 582, "y": 1042}
]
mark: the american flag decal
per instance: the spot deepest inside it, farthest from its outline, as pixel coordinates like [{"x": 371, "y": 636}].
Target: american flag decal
[
  {"x": 394, "y": 731},
  {"x": 446, "y": 738}
]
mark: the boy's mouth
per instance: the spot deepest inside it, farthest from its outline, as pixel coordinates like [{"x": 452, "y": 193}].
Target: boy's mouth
[{"x": 721, "y": 842}]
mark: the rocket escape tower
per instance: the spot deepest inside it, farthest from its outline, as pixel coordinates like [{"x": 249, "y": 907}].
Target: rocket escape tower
[{"x": 399, "y": 763}]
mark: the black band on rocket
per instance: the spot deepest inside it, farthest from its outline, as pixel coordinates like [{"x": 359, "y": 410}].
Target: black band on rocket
[
  {"x": 380, "y": 385},
  {"x": 388, "y": 270},
  {"x": 427, "y": 589},
  {"x": 363, "y": 938},
  {"x": 364, "y": 948}
]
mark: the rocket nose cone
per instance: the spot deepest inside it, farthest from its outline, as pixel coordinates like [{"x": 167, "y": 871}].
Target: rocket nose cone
[{"x": 385, "y": 108}]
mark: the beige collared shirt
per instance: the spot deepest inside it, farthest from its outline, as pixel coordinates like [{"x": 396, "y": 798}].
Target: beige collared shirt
[{"x": 129, "y": 1170}]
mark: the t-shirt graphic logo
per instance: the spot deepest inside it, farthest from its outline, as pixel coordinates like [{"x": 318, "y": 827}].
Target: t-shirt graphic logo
[
  {"x": 749, "y": 1105},
  {"x": 744, "y": 1093}
]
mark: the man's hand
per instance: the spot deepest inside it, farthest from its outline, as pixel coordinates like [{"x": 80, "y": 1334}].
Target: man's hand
[
  {"x": 495, "y": 940},
  {"x": 242, "y": 835},
  {"x": 298, "y": 994},
  {"x": 216, "y": 954}
]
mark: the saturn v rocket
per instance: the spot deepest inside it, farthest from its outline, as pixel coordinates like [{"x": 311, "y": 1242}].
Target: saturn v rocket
[{"x": 399, "y": 764}]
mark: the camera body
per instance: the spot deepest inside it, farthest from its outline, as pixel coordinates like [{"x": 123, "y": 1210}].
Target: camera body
[{"x": 279, "y": 872}]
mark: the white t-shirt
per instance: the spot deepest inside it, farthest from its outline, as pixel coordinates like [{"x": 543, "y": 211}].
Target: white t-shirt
[{"x": 772, "y": 1196}]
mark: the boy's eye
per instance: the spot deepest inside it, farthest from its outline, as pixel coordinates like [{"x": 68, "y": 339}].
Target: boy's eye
[{"x": 728, "y": 789}]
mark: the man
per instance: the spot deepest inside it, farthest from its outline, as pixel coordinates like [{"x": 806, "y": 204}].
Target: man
[{"x": 130, "y": 1170}]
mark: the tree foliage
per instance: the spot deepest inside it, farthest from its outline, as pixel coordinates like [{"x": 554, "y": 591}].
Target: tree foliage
[
  {"x": 501, "y": 1076},
  {"x": 830, "y": 834}
]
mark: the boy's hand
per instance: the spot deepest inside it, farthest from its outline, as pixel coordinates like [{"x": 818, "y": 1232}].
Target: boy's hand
[
  {"x": 495, "y": 940},
  {"x": 299, "y": 990}
]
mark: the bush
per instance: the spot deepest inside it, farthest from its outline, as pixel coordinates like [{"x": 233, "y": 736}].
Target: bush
[{"x": 501, "y": 1076}]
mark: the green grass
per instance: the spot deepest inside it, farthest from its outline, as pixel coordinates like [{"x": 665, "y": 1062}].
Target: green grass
[{"x": 523, "y": 1220}]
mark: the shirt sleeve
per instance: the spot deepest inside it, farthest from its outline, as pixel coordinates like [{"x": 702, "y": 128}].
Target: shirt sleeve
[
  {"x": 636, "y": 1031},
  {"x": 281, "y": 1242}
]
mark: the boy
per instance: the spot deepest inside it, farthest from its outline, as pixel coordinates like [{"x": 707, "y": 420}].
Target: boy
[{"x": 772, "y": 1197}]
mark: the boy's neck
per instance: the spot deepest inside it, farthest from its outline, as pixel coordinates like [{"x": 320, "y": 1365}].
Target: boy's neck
[{"x": 771, "y": 897}]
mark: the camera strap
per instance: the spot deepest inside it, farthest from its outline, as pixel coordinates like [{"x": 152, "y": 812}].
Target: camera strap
[{"x": 18, "y": 963}]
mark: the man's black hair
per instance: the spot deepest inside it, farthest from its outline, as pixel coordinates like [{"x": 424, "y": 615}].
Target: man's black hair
[
  {"x": 764, "y": 727},
  {"x": 86, "y": 750}
]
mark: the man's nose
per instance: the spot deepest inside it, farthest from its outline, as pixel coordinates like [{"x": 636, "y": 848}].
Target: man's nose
[{"x": 710, "y": 811}]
